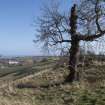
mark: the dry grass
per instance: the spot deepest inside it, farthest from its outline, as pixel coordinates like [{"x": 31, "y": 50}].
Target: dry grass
[{"x": 34, "y": 90}]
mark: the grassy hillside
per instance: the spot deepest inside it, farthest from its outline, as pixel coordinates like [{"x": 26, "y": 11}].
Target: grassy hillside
[{"x": 42, "y": 86}]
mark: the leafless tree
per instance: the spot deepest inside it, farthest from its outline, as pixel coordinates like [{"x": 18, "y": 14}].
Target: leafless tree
[{"x": 85, "y": 23}]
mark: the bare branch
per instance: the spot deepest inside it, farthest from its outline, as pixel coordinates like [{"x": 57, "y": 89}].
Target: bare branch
[
  {"x": 91, "y": 37},
  {"x": 97, "y": 10}
]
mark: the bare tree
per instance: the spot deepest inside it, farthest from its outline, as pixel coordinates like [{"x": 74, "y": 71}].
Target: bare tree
[{"x": 57, "y": 28}]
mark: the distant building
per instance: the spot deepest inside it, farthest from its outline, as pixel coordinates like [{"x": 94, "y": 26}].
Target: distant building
[{"x": 13, "y": 62}]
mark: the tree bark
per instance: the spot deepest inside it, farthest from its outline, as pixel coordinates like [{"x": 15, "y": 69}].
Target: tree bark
[
  {"x": 73, "y": 61},
  {"x": 74, "y": 50}
]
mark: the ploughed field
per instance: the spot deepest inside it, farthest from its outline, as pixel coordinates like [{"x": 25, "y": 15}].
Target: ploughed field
[{"x": 41, "y": 84}]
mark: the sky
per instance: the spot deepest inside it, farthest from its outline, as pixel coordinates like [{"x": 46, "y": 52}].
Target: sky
[{"x": 16, "y": 26}]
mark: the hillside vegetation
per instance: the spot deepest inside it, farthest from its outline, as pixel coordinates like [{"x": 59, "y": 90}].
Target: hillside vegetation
[{"x": 42, "y": 84}]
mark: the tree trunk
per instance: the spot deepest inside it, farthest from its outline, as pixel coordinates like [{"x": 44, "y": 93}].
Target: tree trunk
[
  {"x": 74, "y": 50},
  {"x": 73, "y": 61}
]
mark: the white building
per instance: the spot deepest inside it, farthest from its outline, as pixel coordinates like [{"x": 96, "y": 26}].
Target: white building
[{"x": 11, "y": 62}]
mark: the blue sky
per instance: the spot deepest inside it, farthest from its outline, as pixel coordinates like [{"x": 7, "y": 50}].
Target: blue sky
[{"x": 16, "y": 29}]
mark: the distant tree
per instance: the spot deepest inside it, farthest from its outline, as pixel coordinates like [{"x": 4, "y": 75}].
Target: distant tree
[{"x": 57, "y": 28}]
